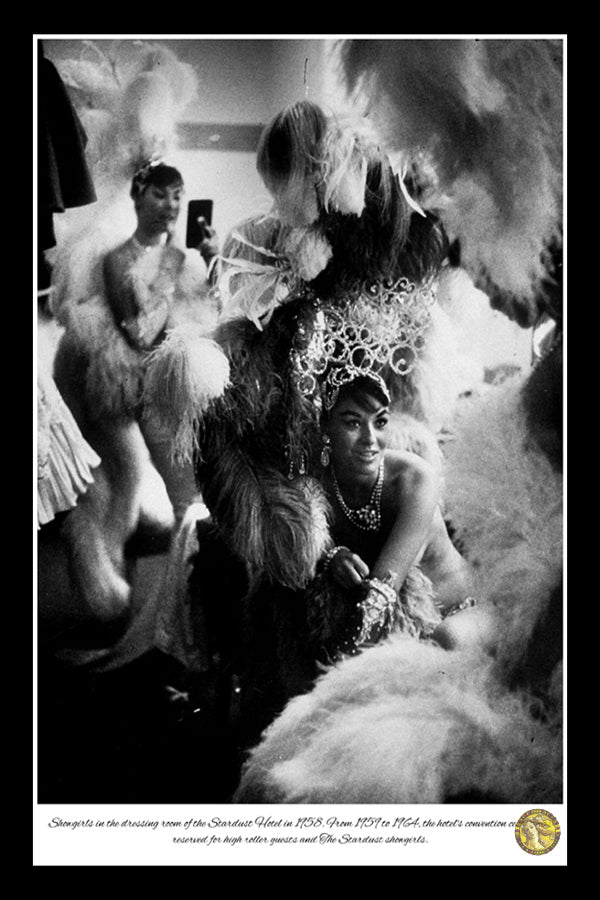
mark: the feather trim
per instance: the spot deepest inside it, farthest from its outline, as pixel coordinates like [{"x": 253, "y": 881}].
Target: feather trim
[
  {"x": 252, "y": 289},
  {"x": 334, "y": 615},
  {"x": 262, "y": 408},
  {"x": 504, "y": 499},
  {"x": 308, "y": 252},
  {"x": 486, "y": 116},
  {"x": 129, "y": 97},
  {"x": 278, "y": 528},
  {"x": 405, "y": 722},
  {"x": 183, "y": 376},
  {"x": 255, "y": 288},
  {"x": 114, "y": 370},
  {"x": 344, "y": 170}
]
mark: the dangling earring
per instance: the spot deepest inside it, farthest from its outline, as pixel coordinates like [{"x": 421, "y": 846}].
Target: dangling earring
[{"x": 326, "y": 451}]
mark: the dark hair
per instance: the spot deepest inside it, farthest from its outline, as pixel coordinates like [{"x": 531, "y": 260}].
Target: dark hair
[
  {"x": 158, "y": 174},
  {"x": 365, "y": 391},
  {"x": 388, "y": 240}
]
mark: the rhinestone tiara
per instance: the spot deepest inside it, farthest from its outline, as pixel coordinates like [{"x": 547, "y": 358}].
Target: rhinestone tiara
[{"x": 378, "y": 326}]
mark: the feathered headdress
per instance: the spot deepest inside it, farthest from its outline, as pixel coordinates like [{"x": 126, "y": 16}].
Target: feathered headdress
[
  {"x": 129, "y": 96},
  {"x": 377, "y": 330},
  {"x": 485, "y": 120}
]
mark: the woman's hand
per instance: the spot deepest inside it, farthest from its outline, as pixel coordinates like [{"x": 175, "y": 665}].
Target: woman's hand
[
  {"x": 347, "y": 568},
  {"x": 209, "y": 245},
  {"x": 144, "y": 329}
]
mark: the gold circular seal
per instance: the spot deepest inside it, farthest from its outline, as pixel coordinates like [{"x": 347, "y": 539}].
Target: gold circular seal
[{"x": 537, "y": 832}]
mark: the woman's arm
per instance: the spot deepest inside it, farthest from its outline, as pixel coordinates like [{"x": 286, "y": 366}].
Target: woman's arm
[
  {"x": 413, "y": 493},
  {"x": 140, "y": 304},
  {"x": 410, "y": 498},
  {"x": 209, "y": 250},
  {"x": 450, "y": 573},
  {"x": 119, "y": 288}
]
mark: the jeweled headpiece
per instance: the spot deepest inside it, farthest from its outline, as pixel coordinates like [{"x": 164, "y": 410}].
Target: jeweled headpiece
[
  {"x": 380, "y": 326},
  {"x": 142, "y": 174}
]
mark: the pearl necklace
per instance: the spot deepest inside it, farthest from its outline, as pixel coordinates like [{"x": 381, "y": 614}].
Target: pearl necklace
[{"x": 368, "y": 517}]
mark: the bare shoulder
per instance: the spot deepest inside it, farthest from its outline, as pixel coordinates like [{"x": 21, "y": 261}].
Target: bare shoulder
[
  {"x": 403, "y": 464},
  {"x": 407, "y": 473}
]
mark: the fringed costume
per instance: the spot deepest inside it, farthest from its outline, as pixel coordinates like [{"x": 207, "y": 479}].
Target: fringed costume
[{"x": 66, "y": 462}]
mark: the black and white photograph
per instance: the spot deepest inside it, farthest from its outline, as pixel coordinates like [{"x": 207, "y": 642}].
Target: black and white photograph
[{"x": 299, "y": 528}]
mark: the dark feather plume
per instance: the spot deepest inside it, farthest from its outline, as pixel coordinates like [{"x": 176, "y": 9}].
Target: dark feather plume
[{"x": 278, "y": 528}]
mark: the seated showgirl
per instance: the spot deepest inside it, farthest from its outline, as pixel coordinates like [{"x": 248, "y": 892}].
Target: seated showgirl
[
  {"x": 387, "y": 521},
  {"x": 405, "y": 721},
  {"x": 392, "y": 567}
]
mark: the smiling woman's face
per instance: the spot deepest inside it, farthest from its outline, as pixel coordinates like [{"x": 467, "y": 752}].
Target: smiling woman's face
[{"x": 357, "y": 429}]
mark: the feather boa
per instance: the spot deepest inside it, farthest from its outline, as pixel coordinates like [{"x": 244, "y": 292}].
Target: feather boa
[
  {"x": 443, "y": 371},
  {"x": 261, "y": 408},
  {"x": 182, "y": 377}
]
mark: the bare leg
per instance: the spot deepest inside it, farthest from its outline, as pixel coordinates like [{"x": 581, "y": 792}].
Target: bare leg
[{"x": 179, "y": 478}]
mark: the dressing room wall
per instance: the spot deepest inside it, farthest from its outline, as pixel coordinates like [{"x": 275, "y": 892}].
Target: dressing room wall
[{"x": 243, "y": 83}]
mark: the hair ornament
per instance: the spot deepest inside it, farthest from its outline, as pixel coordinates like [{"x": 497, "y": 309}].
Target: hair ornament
[
  {"x": 379, "y": 327},
  {"x": 255, "y": 289},
  {"x": 142, "y": 174}
]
